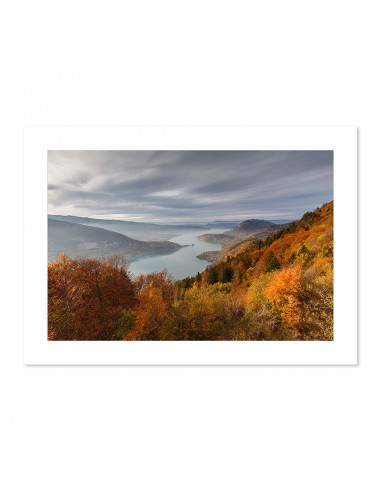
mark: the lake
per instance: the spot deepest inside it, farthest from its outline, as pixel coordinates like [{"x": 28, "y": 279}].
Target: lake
[{"x": 181, "y": 263}]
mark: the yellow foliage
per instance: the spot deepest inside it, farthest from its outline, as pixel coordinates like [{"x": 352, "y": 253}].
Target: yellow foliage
[
  {"x": 255, "y": 295},
  {"x": 151, "y": 315},
  {"x": 282, "y": 292}
]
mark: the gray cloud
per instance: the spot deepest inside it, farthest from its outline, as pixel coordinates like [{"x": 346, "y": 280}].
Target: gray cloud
[{"x": 189, "y": 185}]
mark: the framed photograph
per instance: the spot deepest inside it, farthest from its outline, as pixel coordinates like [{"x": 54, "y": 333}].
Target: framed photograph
[{"x": 190, "y": 245}]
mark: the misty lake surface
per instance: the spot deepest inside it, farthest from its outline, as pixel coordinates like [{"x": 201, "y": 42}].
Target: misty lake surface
[{"x": 181, "y": 263}]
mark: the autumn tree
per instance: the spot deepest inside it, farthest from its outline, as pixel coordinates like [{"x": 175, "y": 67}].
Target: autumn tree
[
  {"x": 161, "y": 280},
  {"x": 125, "y": 325},
  {"x": 205, "y": 312},
  {"x": 283, "y": 293},
  {"x": 86, "y": 297},
  {"x": 317, "y": 301},
  {"x": 153, "y": 320},
  {"x": 305, "y": 255},
  {"x": 62, "y": 299}
]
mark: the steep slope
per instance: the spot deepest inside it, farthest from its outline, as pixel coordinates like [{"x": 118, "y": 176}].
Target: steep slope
[
  {"x": 308, "y": 238},
  {"x": 276, "y": 288},
  {"x": 232, "y": 239},
  {"x": 78, "y": 240}
]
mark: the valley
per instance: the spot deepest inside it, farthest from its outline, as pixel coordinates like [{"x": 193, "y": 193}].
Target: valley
[
  {"x": 274, "y": 287},
  {"x": 179, "y": 248}
]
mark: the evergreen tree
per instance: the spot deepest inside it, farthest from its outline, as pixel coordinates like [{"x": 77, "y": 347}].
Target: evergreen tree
[
  {"x": 271, "y": 262},
  {"x": 212, "y": 277}
]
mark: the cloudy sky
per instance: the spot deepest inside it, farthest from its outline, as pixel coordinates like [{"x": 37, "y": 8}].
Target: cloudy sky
[{"x": 165, "y": 186}]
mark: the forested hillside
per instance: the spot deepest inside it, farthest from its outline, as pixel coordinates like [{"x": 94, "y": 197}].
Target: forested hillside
[{"x": 277, "y": 288}]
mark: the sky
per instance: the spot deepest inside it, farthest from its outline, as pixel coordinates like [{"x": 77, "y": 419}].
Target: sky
[{"x": 173, "y": 186}]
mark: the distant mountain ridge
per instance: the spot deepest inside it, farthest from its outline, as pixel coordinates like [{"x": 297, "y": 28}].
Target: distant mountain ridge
[
  {"x": 80, "y": 240},
  {"x": 223, "y": 223},
  {"x": 143, "y": 231},
  {"x": 236, "y": 236},
  {"x": 88, "y": 237},
  {"x": 253, "y": 228}
]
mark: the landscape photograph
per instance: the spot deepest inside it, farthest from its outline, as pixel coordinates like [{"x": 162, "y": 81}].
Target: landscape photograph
[{"x": 190, "y": 245}]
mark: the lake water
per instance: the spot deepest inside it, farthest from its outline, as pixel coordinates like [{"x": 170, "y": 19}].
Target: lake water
[{"x": 181, "y": 263}]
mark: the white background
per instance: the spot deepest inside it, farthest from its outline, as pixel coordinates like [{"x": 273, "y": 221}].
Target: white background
[
  {"x": 341, "y": 140},
  {"x": 189, "y": 428}
]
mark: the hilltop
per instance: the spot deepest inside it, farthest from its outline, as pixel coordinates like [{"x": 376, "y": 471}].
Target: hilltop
[{"x": 251, "y": 225}]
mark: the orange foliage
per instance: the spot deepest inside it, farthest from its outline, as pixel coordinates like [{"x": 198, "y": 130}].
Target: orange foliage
[
  {"x": 315, "y": 235},
  {"x": 152, "y": 316},
  {"x": 283, "y": 292},
  {"x": 161, "y": 280},
  {"x": 86, "y": 297},
  {"x": 236, "y": 299}
]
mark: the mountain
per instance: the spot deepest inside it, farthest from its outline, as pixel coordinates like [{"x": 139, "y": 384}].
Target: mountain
[
  {"x": 314, "y": 230},
  {"x": 252, "y": 228},
  {"x": 251, "y": 225},
  {"x": 143, "y": 231},
  {"x": 223, "y": 223},
  {"x": 221, "y": 239},
  {"x": 78, "y": 240},
  {"x": 280, "y": 287},
  {"x": 276, "y": 288}
]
